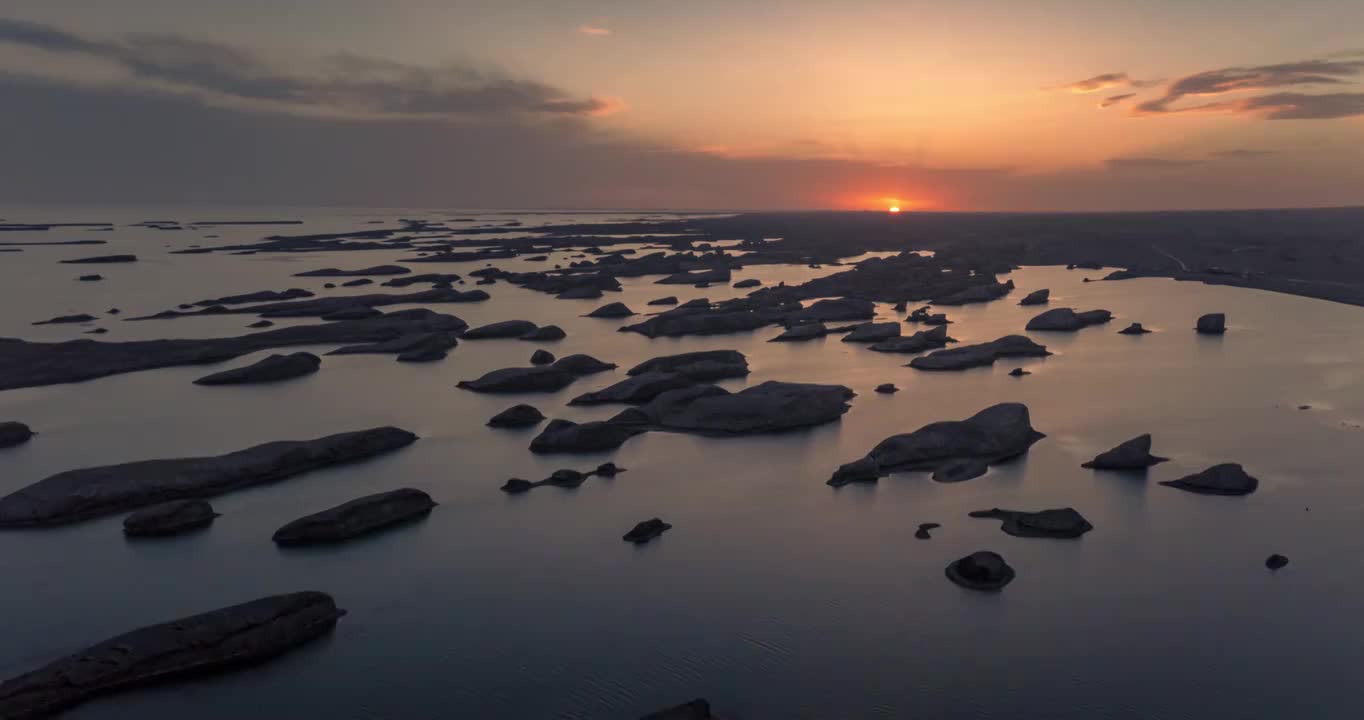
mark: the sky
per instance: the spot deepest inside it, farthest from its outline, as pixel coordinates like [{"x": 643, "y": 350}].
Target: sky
[{"x": 707, "y": 104}]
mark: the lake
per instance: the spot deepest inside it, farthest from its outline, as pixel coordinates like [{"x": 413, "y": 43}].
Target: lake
[{"x": 774, "y": 595}]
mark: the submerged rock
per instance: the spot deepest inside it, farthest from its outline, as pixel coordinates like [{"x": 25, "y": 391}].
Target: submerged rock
[
  {"x": 1224, "y": 479},
  {"x": 990, "y": 436},
  {"x": 873, "y": 332},
  {"x": 169, "y": 518},
  {"x": 1135, "y": 454},
  {"x": 887, "y": 389},
  {"x": 1066, "y": 319},
  {"x": 703, "y": 365},
  {"x": 271, "y": 369},
  {"x": 646, "y": 531},
  {"x": 77, "y": 495},
  {"x": 1018, "y": 372},
  {"x": 1212, "y": 324},
  {"x": 357, "y": 517},
  {"x": 504, "y": 329},
  {"x": 545, "y": 334},
  {"x": 1037, "y": 297},
  {"x": 260, "y": 324},
  {"x": 983, "y": 570},
  {"x": 517, "y": 416},
  {"x": 1057, "y": 523},
  {"x": 90, "y": 278},
  {"x": 541, "y": 357},
  {"x": 1134, "y": 329},
  {"x": 14, "y": 433},
  {"x": 220, "y": 640},
  {"x": 611, "y": 311},
  {"x": 984, "y": 354},
  {"x": 608, "y": 469},
  {"x": 1276, "y": 561}
]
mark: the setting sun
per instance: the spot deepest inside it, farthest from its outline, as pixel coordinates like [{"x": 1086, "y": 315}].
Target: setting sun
[{"x": 894, "y": 208}]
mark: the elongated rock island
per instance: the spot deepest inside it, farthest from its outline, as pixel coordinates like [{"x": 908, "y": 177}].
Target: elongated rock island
[
  {"x": 200, "y": 644},
  {"x": 77, "y": 495}
]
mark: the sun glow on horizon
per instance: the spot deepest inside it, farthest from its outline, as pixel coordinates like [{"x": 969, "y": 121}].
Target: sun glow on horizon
[{"x": 893, "y": 209}]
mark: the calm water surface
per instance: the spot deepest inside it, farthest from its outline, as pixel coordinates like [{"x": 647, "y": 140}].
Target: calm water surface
[{"x": 774, "y": 595}]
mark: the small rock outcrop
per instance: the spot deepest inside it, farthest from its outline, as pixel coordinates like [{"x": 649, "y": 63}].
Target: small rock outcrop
[
  {"x": 564, "y": 436},
  {"x": 703, "y": 365},
  {"x": 567, "y": 479},
  {"x": 517, "y": 416},
  {"x": 504, "y": 329},
  {"x": 612, "y": 311},
  {"x": 541, "y": 357},
  {"x": 646, "y": 531},
  {"x": 540, "y": 378},
  {"x": 984, "y": 354},
  {"x": 800, "y": 333},
  {"x": 697, "y": 709},
  {"x": 545, "y": 334},
  {"x": 376, "y": 270},
  {"x": 669, "y": 300},
  {"x": 271, "y": 369},
  {"x": 77, "y": 495},
  {"x": 170, "y": 518},
  {"x": 357, "y": 517},
  {"x": 1056, "y": 523},
  {"x": 14, "y": 433},
  {"x": 983, "y": 570},
  {"x": 101, "y": 260},
  {"x": 923, "y": 532},
  {"x": 990, "y": 436},
  {"x": 636, "y": 389},
  {"x": 1135, "y": 454},
  {"x": 68, "y": 320},
  {"x": 1276, "y": 562},
  {"x": 769, "y": 407},
  {"x": 749, "y": 283},
  {"x": 857, "y": 471},
  {"x": 916, "y": 343},
  {"x": 1212, "y": 324},
  {"x": 1066, "y": 319},
  {"x": 1224, "y": 479},
  {"x": 1036, "y": 297},
  {"x": 873, "y": 332},
  {"x": 1018, "y": 372},
  {"x": 887, "y": 389},
  {"x": 1134, "y": 329},
  {"x": 220, "y": 640}
]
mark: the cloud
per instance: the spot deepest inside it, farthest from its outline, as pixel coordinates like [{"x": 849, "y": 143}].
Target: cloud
[
  {"x": 594, "y": 30},
  {"x": 1112, "y": 100},
  {"x": 1103, "y": 82},
  {"x": 344, "y": 84},
  {"x": 1241, "y": 153},
  {"x": 1278, "y": 106},
  {"x": 1147, "y": 163}
]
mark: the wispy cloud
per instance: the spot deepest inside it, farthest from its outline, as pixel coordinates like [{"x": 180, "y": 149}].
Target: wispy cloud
[
  {"x": 1148, "y": 163},
  {"x": 345, "y": 84},
  {"x": 1241, "y": 153},
  {"x": 1112, "y": 100},
  {"x": 1275, "y": 106},
  {"x": 594, "y": 30},
  {"x": 1103, "y": 82}
]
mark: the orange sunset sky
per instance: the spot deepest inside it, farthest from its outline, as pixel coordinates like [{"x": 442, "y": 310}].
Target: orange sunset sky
[{"x": 973, "y": 105}]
